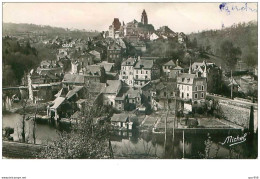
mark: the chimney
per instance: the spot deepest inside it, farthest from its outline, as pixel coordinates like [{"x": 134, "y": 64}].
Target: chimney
[{"x": 190, "y": 68}]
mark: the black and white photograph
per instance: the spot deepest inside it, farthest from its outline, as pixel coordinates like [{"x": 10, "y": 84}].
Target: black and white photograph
[{"x": 129, "y": 80}]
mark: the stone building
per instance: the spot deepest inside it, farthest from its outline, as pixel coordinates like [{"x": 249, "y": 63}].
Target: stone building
[
  {"x": 114, "y": 53},
  {"x": 138, "y": 72},
  {"x": 160, "y": 95},
  {"x": 127, "y": 71},
  {"x": 144, "y": 18},
  {"x": 116, "y": 30},
  {"x": 111, "y": 91},
  {"x": 167, "y": 67},
  {"x": 145, "y": 71},
  {"x": 193, "y": 87}
]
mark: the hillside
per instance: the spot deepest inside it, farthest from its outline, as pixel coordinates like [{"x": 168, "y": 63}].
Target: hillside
[
  {"x": 243, "y": 35},
  {"x": 13, "y": 29}
]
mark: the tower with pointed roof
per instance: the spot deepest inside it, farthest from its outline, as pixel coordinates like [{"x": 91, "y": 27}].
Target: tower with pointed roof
[{"x": 144, "y": 18}]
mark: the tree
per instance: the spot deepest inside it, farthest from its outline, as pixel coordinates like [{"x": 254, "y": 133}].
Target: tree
[
  {"x": 24, "y": 103},
  {"x": 214, "y": 80},
  {"x": 230, "y": 53},
  {"x": 86, "y": 140},
  {"x": 9, "y": 78},
  {"x": 251, "y": 60},
  {"x": 21, "y": 59}
]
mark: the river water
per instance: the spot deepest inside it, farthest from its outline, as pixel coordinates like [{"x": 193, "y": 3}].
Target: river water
[{"x": 137, "y": 144}]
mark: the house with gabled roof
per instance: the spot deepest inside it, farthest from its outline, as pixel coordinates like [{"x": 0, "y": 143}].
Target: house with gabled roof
[
  {"x": 127, "y": 71},
  {"x": 193, "y": 87},
  {"x": 114, "y": 52},
  {"x": 154, "y": 36},
  {"x": 167, "y": 67},
  {"x": 111, "y": 91},
  {"x": 145, "y": 71},
  {"x": 65, "y": 103},
  {"x": 160, "y": 95},
  {"x": 121, "y": 121},
  {"x": 71, "y": 80},
  {"x": 96, "y": 54}
]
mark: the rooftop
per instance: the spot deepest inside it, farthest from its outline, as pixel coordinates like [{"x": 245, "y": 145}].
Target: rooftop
[
  {"x": 74, "y": 91},
  {"x": 169, "y": 63},
  {"x": 73, "y": 78},
  {"x": 95, "y": 87},
  {"x": 113, "y": 86},
  {"x": 107, "y": 66},
  {"x": 93, "y": 70},
  {"x": 146, "y": 64},
  {"x": 178, "y": 68},
  {"x": 57, "y": 102},
  {"x": 132, "y": 93},
  {"x": 119, "y": 117},
  {"x": 129, "y": 62}
]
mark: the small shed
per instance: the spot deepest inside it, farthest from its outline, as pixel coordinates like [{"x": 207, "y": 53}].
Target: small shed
[{"x": 121, "y": 121}]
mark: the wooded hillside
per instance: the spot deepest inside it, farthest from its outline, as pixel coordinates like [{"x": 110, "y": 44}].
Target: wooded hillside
[{"x": 242, "y": 35}]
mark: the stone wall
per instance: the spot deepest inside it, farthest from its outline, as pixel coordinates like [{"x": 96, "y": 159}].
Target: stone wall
[{"x": 238, "y": 113}]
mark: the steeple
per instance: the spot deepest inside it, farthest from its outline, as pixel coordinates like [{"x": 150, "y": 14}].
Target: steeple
[{"x": 144, "y": 18}]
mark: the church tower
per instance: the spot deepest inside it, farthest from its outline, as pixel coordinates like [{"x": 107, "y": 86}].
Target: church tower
[{"x": 144, "y": 18}]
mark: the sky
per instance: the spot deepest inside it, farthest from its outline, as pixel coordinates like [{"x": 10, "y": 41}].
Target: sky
[{"x": 180, "y": 17}]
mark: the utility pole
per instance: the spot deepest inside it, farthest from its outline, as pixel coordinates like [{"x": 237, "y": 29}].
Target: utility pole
[
  {"x": 34, "y": 121},
  {"x": 175, "y": 118},
  {"x": 183, "y": 146},
  {"x": 165, "y": 135},
  {"x": 231, "y": 86}
]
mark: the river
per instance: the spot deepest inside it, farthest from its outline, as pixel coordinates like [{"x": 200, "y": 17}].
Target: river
[{"x": 137, "y": 144}]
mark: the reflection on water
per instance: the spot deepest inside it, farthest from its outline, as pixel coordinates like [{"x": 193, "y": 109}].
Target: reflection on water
[
  {"x": 147, "y": 144},
  {"x": 44, "y": 132},
  {"x": 143, "y": 145}
]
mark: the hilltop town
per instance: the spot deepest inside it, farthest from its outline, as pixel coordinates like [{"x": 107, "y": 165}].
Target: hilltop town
[{"x": 146, "y": 79}]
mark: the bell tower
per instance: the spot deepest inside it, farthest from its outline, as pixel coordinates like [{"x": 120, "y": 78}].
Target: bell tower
[{"x": 144, "y": 18}]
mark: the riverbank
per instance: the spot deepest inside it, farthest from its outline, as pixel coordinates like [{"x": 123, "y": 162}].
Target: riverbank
[{"x": 16, "y": 150}]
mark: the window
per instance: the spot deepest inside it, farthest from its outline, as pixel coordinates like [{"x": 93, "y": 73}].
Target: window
[
  {"x": 187, "y": 88},
  {"x": 187, "y": 95},
  {"x": 182, "y": 79},
  {"x": 136, "y": 76},
  {"x": 165, "y": 94},
  {"x": 202, "y": 88},
  {"x": 196, "y": 88},
  {"x": 195, "y": 95},
  {"x": 146, "y": 72},
  {"x": 171, "y": 93},
  {"x": 182, "y": 87},
  {"x": 202, "y": 95}
]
